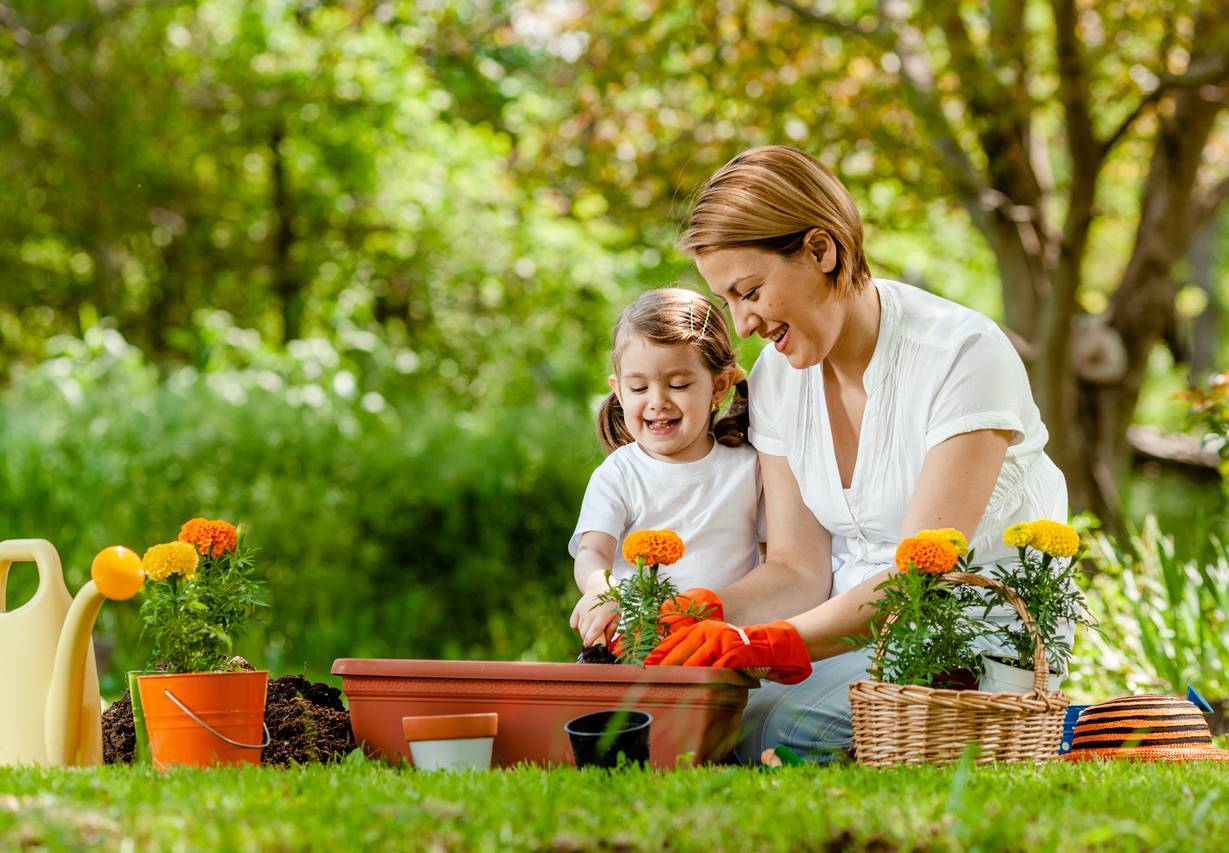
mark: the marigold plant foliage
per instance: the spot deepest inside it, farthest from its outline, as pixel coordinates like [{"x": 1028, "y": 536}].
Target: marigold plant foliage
[
  {"x": 212, "y": 538},
  {"x": 171, "y": 558},
  {"x": 926, "y": 554},
  {"x": 639, "y": 598},
  {"x": 654, "y": 547},
  {"x": 202, "y": 596}
]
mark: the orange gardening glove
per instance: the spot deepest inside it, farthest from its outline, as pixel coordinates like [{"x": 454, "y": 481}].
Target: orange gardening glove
[
  {"x": 674, "y": 609},
  {"x": 774, "y": 651}
]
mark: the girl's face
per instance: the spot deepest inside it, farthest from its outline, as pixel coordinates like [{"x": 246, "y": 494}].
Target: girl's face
[
  {"x": 667, "y": 396},
  {"x": 786, "y": 300}
]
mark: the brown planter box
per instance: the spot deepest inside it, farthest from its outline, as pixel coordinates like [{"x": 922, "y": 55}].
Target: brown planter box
[{"x": 695, "y": 710}]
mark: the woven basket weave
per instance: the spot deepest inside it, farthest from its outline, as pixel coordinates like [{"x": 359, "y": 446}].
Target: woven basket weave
[{"x": 908, "y": 724}]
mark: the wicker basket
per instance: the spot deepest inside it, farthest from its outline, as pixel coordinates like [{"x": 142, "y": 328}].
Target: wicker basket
[{"x": 909, "y": 724}]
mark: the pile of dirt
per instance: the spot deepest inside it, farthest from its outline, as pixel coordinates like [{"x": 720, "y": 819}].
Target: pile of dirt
[
  {"x": 119, "y": 735},
  {"x": 307, "y": 723}
]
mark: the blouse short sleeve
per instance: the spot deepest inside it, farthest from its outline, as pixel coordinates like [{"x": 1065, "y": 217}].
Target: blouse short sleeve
[
  {"x": 603, "y": 509},
  {"x": 985, "y": 386},
  {"x": 764, "y": 432}
]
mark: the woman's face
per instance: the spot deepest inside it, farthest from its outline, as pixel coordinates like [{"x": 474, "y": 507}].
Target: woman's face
[{"x": 785, "y": 300}]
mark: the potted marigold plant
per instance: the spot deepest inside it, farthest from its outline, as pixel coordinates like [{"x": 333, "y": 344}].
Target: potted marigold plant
[
  {"x": 1043, "y": 576},
  {"x": 922, "y": 628},
  {"x": 639, "y": 597},
  {"x": 201, "y": 707}
]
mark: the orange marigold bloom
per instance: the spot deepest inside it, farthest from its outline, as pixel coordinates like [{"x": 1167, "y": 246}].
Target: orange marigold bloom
[
  {"x": 930, "y": 556},
  {"x": 211, "y": 538},
  {"x": 655, "y": 547}
]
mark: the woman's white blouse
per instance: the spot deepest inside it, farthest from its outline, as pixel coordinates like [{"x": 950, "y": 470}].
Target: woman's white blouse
[{"x": 939, "y": 369}]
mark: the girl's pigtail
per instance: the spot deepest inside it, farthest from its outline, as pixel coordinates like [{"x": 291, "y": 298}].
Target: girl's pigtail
[
  {"x": 731, "y": 428},
  {"x": 611, "y": 429}
]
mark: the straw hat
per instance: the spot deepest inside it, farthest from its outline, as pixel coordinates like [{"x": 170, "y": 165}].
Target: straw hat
[{"x": 1144, "y": 728}]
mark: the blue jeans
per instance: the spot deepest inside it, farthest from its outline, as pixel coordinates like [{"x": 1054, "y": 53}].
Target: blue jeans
[{"x": 812, "y": 717}]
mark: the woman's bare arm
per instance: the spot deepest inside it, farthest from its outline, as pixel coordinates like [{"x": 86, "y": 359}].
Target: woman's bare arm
[
  {"x": 953, "y": 490},
  {"x": 797, "y": 572}
]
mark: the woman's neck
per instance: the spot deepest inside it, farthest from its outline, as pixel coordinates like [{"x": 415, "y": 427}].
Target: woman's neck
[{"x": 853, "y": 350}]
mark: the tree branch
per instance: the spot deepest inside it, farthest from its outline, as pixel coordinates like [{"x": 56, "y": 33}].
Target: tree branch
[
  {"x": 1216, "y": 70},
  {"x": 841, "y": 25}
]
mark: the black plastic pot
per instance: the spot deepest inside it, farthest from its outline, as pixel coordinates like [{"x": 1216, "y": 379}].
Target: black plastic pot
[{"x": 598, "y": 739}]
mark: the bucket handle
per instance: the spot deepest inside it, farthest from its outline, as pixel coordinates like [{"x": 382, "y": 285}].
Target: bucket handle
[{"x": 214, "y": 731}]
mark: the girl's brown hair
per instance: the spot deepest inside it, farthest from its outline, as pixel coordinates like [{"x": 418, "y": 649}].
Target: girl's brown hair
[
  {"x": 668, "y": 317},
  {"x": 770, "y": 198}
]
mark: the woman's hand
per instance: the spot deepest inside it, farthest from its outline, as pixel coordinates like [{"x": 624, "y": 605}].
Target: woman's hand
[{"x": 774, "y": 651}]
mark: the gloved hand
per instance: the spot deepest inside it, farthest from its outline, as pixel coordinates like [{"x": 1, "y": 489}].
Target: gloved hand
[
  {"x": 673, "y": 611},
  {"x": 775, "y": 651}
]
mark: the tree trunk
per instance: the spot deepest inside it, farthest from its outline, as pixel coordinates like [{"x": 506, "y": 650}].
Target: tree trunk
[{"x": 286, "y": 283}]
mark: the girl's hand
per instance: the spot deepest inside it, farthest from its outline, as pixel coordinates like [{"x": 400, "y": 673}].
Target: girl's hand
[{"x": 594, "y": 620}]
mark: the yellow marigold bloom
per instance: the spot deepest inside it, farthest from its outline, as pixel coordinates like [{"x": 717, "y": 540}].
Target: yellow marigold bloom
[
  {"x": 929, "y": 556},
  {"x": 656, "y": 547},
  {"x": 947, "y": 534},
  {"x": 172, "y": 558},
  {"x": 1055, "y": 539},
  {"x": 210, "y": 538},
  {"x": 1018, "y": 535}
]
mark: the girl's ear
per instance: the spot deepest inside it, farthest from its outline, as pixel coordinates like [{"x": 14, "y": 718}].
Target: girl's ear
[
  {"x": 613, "y": 382},
  {"x": 821, "y": 245}
]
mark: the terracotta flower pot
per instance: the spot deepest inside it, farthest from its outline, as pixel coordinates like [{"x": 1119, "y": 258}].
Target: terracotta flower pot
[
  {"x": 205, "y": 718},
  {"x": 451, "y": 741},
  {"x": 696, "y": 710}
]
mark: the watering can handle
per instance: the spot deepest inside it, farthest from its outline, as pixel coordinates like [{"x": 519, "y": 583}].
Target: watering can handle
[
  {"x": 38, "y": 551},
  {"x": 215, "y": 732}
]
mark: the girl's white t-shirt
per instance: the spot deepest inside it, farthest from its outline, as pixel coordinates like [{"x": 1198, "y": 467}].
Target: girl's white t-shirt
[
  {"x": 714, "y": 504},
  {"x": 939, "y": 369}
]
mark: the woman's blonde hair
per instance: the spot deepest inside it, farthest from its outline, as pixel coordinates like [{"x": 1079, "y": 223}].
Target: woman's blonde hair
[
  {"x": 769, "y": 198},
  {"x": 668, "y": 317}
]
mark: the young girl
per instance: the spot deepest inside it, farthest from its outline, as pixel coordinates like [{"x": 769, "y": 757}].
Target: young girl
[{"x": 672, "y": 463}]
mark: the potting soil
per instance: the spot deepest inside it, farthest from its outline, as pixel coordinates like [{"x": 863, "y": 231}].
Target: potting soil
[{"x": 307, "y": 723}]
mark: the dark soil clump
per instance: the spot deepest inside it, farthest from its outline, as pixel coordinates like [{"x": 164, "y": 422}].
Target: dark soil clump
[
  {"x": 119, "y": 735},
  {"x": 597, "y": 654},
  {"x": 307, "y": 723}
]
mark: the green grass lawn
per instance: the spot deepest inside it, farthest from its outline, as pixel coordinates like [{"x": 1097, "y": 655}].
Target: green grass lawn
[{"x": 1115, "y": 806}]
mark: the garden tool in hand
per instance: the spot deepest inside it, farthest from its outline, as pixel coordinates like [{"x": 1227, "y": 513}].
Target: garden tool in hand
[{"x": 52, "y": 713}]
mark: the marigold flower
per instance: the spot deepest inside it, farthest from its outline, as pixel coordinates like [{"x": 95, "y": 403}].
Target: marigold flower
[
  {"x": 655, "y": 547},
  {"x": 929, "y": 556},
  {"x": 171, "y": 558},
  {"x": 1018, "y": 535},
  {"x": 947, "y": 534},
  {"x": 210, "y": 538},
  {"x": 1055, "y": 538}
]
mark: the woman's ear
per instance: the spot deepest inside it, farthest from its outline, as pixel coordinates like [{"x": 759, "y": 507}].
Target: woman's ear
[{"x": 822, "y": 247}]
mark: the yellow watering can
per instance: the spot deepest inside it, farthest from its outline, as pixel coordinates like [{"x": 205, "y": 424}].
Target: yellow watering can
[{"x": 52, "y": 713}]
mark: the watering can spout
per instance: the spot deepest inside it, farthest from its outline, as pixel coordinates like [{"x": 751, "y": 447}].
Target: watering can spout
[{"x": 115, "y": 574}]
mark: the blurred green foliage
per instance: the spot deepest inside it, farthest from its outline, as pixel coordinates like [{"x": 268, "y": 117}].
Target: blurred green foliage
[{"x": 346, "y": 272}]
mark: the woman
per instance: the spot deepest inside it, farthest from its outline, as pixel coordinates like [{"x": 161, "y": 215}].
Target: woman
[{"x": 878, "y": 410}]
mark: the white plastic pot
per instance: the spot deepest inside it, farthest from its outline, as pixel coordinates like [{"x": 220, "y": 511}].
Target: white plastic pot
[
  {"x": 451, "y": 741},
  {"x": 465, "y": 753},
  {"x": 999, "y": 677}
]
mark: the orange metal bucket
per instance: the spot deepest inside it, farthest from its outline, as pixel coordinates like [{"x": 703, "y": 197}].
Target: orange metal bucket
[{"x": 205, "y": 718}]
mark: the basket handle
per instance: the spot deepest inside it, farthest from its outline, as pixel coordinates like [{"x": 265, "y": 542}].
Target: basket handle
[
  {"x": 214, "y": 731},
  {"x": 1041, "y": 667}
]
